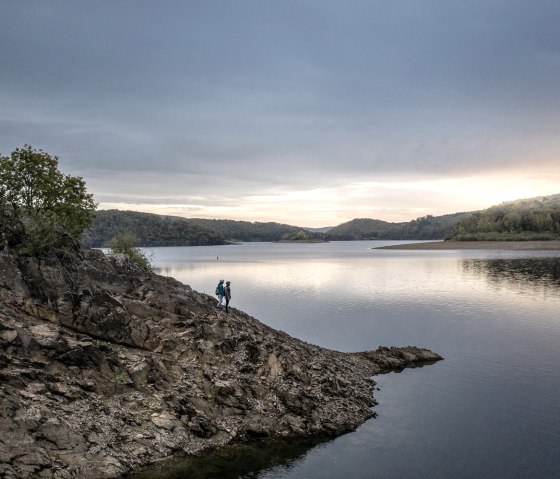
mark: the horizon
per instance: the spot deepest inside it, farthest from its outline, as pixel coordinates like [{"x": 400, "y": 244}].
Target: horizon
[
  {"x": 298, "y": 112},
  {"x": 387, "y": 213},
  {"x": 338, "y": 224},
  {"x": 278, "y": 222}
]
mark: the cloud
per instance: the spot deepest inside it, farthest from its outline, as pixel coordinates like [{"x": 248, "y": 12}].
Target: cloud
[{"x": 267, "y": 103}]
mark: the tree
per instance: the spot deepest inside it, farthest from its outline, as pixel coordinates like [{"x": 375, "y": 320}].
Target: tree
[{"x": 40, "y": 204}]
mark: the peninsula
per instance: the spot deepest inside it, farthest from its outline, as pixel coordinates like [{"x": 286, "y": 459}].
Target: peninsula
[
  {"x": 503, "y": 245},
  {"x": 106, "y": 367}
]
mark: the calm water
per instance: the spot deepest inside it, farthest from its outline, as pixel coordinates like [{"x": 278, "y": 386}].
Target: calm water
[{"x": 490, "y": 410}]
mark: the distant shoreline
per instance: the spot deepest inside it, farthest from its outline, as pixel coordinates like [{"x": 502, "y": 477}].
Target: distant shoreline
[{"x": 506, "y": 245}]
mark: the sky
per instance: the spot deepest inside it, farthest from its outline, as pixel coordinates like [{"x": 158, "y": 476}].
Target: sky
[{"x": 305, "y": 112}]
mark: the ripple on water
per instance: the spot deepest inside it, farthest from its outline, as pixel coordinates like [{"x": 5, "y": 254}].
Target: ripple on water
[{"x": 490, "y": 409}]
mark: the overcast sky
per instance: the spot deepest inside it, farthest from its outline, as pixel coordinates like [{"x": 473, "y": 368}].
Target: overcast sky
[{"x": 307, "y": 112}]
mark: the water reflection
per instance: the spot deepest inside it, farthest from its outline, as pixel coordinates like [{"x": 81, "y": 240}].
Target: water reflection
[
  {"x": 537, "y": 274},
  {"x": 489, "y": 410},
  {"x": 235, "y": 461}
]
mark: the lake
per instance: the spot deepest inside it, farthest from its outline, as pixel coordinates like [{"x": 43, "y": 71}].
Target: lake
[{"x": 491, "y": 409}]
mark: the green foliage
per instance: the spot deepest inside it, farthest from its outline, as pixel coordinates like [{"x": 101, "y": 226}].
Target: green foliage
[
  {"x": 424, "y": 228},
  {"x": 122, "y": 377},
  {"x": 303, "y": 236},
  {"x": 528, "y": 219},
  {"x": 157, "y": 230},
  {"x": 248, "y": 231},
  {"x": 148, "y": 229},
  {"x": 39, "y": 206},
  {"x": 123, "y": 243}
]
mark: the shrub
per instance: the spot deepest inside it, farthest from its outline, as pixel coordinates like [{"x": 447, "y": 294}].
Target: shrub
[{"x": 123, "y": 243}]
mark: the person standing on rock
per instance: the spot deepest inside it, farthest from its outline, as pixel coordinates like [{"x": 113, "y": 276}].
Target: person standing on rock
[
  {"x": 220, "y": 292},
  {"x": 228, "y": 294}
]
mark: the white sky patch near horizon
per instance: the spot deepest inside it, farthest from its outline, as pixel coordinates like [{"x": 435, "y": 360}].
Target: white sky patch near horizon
[{"x": 388, "y": 201}]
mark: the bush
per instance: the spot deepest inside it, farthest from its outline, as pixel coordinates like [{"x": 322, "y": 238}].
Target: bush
[{"x": 123, "y": 243}]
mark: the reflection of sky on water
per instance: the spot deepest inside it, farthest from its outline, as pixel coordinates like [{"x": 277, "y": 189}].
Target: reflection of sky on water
[
  {"x": 315, "y": 292},
  {"x": 383, "y": 272},
  {"x": 490, "y": 409}
]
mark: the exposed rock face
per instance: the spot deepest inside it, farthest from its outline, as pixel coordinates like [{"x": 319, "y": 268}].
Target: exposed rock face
[{"x": 104, "y": 368}]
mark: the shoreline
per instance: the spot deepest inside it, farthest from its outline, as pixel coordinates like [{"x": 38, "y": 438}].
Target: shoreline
[
  {"x": 107, "y": 368},
  {"x": 478, "y": 245}
]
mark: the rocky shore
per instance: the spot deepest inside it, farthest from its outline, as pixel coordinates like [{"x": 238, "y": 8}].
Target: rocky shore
[
  {"x": 105, "y": 367},
  {"x": 504, "y": 245}
]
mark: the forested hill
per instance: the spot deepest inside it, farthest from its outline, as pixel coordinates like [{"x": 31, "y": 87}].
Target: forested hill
[
  {"x": 156, "y": 230},
  {"x": 533, "y": 218},
  {"x": 149, "y": 230},
  {"x": 424, "y": 228},
  {"x": 247, "y": 231}
]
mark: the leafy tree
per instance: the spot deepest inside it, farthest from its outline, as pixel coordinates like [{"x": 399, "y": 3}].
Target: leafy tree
[
  {"x": 123, "y": 243},
  {"x": 39, "y": 205}
]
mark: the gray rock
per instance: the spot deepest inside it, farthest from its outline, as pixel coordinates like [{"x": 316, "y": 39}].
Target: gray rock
[{"x": 105, "y": 368}]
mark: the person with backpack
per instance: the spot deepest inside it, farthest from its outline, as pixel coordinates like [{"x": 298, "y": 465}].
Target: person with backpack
[
  {"x": 220, "y": 292},
  {"x": 228, "y": 294}
]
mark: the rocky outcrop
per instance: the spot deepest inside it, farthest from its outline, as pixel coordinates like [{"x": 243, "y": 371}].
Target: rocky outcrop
[{"x": 105, "y": 367}]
